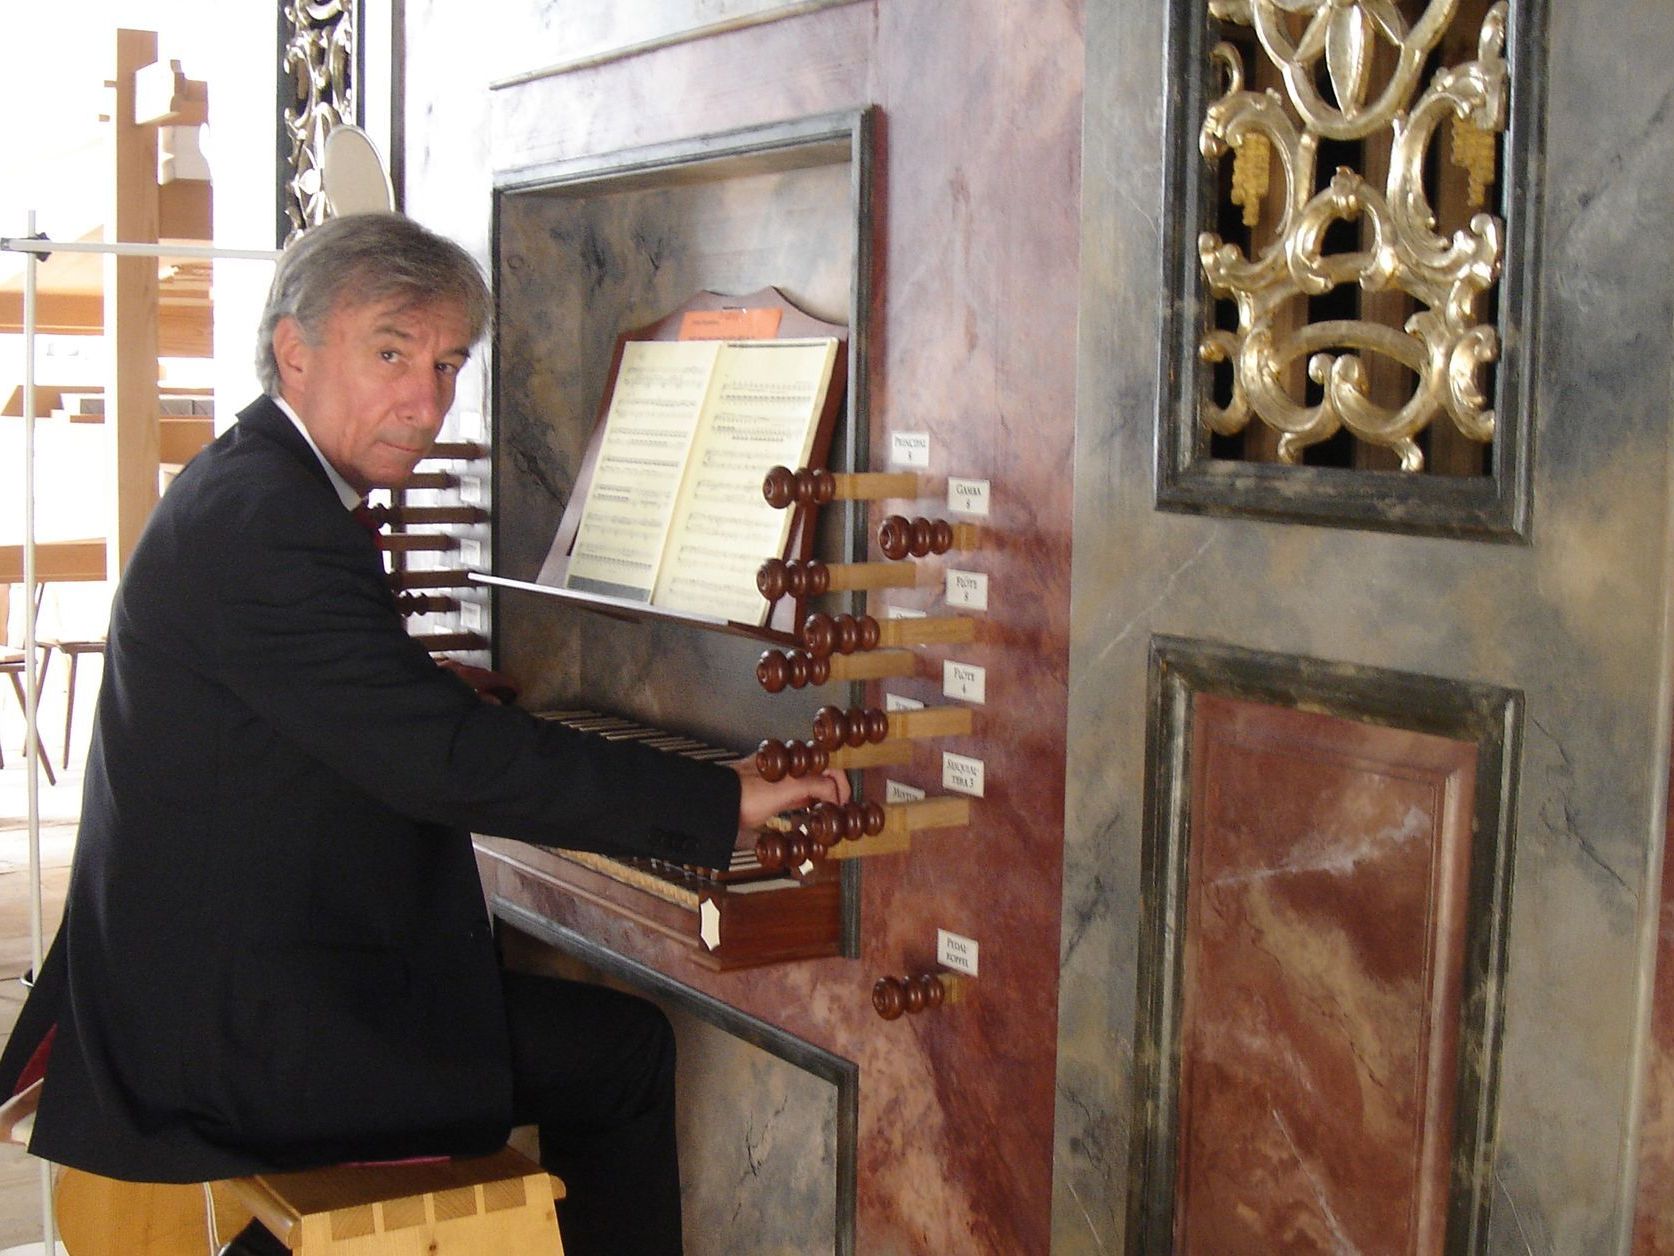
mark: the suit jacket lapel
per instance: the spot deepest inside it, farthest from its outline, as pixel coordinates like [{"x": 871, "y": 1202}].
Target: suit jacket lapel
[{"x": 264, "y": 418}]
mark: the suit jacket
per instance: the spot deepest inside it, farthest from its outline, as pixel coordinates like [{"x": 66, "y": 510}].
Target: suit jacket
[{"x": 275, "y": 951}]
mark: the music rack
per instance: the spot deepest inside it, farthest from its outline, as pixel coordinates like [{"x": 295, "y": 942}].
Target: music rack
[{"x": 788, "y": 322}]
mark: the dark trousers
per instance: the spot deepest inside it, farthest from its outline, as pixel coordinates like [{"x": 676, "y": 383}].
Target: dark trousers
[{"x": 594, "y": 1070}]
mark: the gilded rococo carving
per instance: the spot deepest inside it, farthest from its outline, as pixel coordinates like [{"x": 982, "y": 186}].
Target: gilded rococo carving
[
  {"x": 1443, "y": 343},
  {"x": 319, "y": 57}
]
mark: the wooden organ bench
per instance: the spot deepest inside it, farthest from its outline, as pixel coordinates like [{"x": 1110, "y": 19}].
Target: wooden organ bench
[{"x": 495, "y": 1205}]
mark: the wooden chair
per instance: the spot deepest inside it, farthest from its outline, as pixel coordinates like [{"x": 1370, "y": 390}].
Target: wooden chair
[
  {"x": 13, "y": 663},
  {"x": 72, "y": 649},
  {"x": 496, "y": 1205}
]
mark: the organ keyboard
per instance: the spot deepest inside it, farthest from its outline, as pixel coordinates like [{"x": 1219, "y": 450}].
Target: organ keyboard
[{"x": 734, "y": 917}]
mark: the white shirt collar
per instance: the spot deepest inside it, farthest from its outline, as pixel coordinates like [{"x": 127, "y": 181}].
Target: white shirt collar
[{"x": 345, "y": 491}]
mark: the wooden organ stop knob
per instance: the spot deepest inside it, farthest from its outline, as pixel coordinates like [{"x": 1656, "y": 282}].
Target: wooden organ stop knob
[
  {"x": 777, "y": 850},
  {"x": 859, "y": 726},
  {"x": 900, "y": 537},
  {"x": 854, "y": 829},
  {"x": 456, "y": 450},
  {"x": 777, "y": 577},
  {"x": 860, "y": 738},
  {"x": 824, "y": 634},
  {"x": 777, "y": 670},
  {"x": 834, "y": 727},
  {"x": 829, "y": 823},
  {"x": 416, "y": 542},
  {"x": 892, "y": 996},
  {"x": 840, "y": 634},
  {"x": 776, "y": 760},
  {"x": 452, "y": 578},
  {"x": 794, "y": 669},
  {"x": 431, "y": 480},
  {"x": 409, "y": 516},
  {"x": 810, "y": 836},
  {"x": 425, "y": 603},
  {"x": 783, "y": 487}
]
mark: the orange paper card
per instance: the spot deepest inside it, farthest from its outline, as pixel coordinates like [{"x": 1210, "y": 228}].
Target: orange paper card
[{"x": 731, "y": 324}]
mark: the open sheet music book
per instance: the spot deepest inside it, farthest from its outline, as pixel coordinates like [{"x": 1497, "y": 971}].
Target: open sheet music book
[{"x": 674, "y": 515}]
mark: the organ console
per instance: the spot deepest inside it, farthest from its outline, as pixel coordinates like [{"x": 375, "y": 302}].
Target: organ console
[
  {"x": 751, "y": 912},
  {"x": 782, "y": 901}
]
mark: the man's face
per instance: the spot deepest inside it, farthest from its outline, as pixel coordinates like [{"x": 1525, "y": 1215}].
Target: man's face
[{"x": 374, "y": 390}]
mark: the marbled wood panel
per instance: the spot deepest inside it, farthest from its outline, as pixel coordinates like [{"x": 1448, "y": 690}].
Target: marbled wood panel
[
  {"x": 1323, "y": 955},
  {"x": 756, "y": 1132},
  {"x": 1653, "y": 1233},
  {"x": 791, "y": 69},
  {"x": 972, "y": 330},
  {"x": 571, "y": 31}
]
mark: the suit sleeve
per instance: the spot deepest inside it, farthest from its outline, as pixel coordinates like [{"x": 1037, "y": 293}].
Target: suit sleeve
[{"x": 309, "y": 639}]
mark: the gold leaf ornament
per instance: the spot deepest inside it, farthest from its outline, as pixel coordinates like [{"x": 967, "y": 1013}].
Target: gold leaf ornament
[
  {"x": 1251, "y": 154},
  {"x": 1472, "y": 150},
  {"x": 1441, "y": 347}
]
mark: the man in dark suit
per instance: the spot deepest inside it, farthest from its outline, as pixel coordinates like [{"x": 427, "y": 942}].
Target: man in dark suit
[{"x": 275, "y": 952}]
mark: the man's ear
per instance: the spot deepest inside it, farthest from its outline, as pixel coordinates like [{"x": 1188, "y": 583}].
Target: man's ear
[{"x": 291, "y": 351}]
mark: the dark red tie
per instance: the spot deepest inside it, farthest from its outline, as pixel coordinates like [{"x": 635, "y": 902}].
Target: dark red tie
[{"x": 367, "y": 519}]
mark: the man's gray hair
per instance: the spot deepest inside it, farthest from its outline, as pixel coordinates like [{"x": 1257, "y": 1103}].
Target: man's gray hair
[{"x": 366, "y": 259}]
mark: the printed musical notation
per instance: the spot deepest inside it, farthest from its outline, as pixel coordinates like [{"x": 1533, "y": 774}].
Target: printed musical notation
[{"x": 674, "y": 516}]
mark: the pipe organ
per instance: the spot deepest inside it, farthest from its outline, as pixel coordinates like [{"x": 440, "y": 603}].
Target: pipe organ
[{"x": 1186, "y": 642}]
